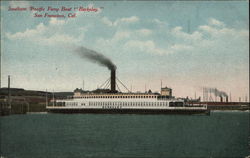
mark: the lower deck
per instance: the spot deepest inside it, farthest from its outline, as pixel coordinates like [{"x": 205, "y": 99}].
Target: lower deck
[{"x": 129, "y": 111}]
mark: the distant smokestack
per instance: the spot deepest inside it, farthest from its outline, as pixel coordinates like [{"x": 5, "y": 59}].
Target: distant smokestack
[
  {"x": 9, "y": 100},
  {"x": 221, "y": 99},
  {"x": 113, "y": 84},
  {"x": 8, "y": 82},
  {"x": 226, "y": 98}
]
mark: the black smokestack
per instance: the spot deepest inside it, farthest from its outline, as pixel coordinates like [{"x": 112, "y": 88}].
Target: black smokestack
[
  {"x": 96, "y": 57},
  {"x": 113, "y": 84},
  {"x": 100, "y": 59}
]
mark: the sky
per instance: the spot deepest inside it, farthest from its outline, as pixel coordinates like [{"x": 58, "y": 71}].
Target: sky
[{"x": 185, "y": 45}]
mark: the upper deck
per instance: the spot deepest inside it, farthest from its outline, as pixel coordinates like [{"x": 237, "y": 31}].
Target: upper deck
[{"x": 116, "y": 95}]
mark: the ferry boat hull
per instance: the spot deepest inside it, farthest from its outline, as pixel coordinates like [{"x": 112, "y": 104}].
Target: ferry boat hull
[{"x": 129, "y": 111}]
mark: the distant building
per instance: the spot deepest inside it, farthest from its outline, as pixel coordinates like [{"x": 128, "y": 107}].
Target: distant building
[
  {"x": 17, "y": 105},
  {"x": 166, "y": 92},
  {"x": 78, "y": 92}
]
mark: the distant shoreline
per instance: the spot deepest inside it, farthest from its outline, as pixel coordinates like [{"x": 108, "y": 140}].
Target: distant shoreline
[
  {"x": 229, "y": 110},
  {"x": 37, "y": 112}
]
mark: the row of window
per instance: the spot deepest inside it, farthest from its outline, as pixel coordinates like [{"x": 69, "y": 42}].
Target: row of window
[
  {"x": 58, "y": 104},
  {"x": 125, "y": 96},
  {"x": 111, "y": 107},
  {"x": 171, "y": 104},
  {"x": 128, "y": 103},
  {"x": 72, "y": 103},
  {"x": 176, "y": 104}
]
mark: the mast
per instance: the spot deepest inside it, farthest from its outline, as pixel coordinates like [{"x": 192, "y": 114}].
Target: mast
[
  {"x": 0, "y": 68},
  {"x": 9, "y": 95},
  {"x": 83, "y": 85},
  {"x": 53, "y": 99},
  {"x": 46, "y": 98}
]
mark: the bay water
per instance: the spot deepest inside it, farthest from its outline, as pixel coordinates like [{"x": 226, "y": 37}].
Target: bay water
[{"x": 222, "y": 134}]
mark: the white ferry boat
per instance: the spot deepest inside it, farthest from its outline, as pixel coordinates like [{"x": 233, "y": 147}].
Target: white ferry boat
[
  {"x": 143, "y": 103},
  {"x": 112, "y": 101}
]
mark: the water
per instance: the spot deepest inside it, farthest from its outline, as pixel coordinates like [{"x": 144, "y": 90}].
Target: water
[{"x": 222, "y": 134}]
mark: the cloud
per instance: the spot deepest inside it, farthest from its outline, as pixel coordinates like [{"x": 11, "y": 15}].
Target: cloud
[
  {"x": 159, "y": 22},
  {"x": 144, "y": 46},
  {"x": 215, "y": 22},
  {"x": 173, "y": 40},
  {"x": 213, "y": 34},
  {"x": 23, "y": 4},
  {"x": 58, "y": 39},
  {"x": 208, "y": 29},
  {"x": 120, "y": 35},
  {"x": 117, "y": 39},
  {"x": 131, "y": 19},
  {"x": 179, "y": 47},
  {"x": 212, "y": 42},
  {"x": 46, "y": 35},
  {"x": 106, "y": 21},
  {"x": 55, "y": 21},
  {"x": 120, "y": 21},
  {"x": 150, "y": 46},
  {"x": 178, "y": 33},
  {"x": 39, "y": 30},
  {"x": 144, "y": 32}
]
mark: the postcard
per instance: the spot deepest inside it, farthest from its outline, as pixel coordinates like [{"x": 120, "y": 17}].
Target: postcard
[{"x": 124, "y": 79}]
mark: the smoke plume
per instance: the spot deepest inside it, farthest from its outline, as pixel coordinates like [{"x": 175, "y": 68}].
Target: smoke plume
[
  {"x": 216, "y": 92},
  {"x": 95, "y": 57}
]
